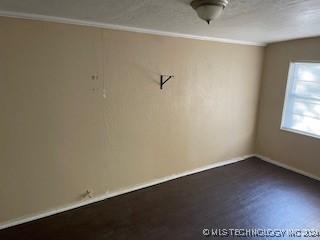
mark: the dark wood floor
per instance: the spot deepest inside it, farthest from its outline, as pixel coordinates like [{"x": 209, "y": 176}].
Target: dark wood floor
[{"x": 245, "y": 195}]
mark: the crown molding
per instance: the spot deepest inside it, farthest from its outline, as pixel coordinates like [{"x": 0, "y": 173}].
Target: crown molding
[{"x": 39, "y": 17}]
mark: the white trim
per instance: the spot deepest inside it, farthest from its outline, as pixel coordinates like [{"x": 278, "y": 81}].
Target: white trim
[
  {"x": 288, "y": 90},
  {"x": 266, "y": 159},
  {"x": 300, "y": 132},
  {"x": 120, "y": 27},
  {"x": 107, "y": 195}
]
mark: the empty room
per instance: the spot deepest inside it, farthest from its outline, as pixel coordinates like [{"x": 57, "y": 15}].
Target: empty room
[{"x": 159, "y": 119}]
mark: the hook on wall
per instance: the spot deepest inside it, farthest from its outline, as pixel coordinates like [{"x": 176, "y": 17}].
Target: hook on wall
[{"x": 163, "y": 81}]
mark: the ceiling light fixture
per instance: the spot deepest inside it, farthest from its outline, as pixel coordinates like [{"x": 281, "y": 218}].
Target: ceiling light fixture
[{"x": 209, "y": 10}]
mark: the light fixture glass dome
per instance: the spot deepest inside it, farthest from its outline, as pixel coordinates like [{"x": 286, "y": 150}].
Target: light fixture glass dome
[{"x": 209, "y": 10}]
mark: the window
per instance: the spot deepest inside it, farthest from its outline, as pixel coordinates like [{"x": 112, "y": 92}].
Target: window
[{"x": 301, "y": 112}]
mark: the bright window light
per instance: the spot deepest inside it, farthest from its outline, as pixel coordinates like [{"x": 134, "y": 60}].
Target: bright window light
[{"x": 301, "y": 113}]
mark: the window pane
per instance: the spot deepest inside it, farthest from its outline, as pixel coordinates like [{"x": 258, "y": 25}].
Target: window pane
[
  {"x": 306, "y": 108},
  {"x": 306, "y": 124},
  {"x": 302, "y": 104},
  {"x": 307, "y": 89},
  {"x": 307, "y": 71}
]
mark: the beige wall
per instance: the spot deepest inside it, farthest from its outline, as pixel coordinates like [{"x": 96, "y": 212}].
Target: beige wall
[
  {"x": 60, "y": 137},
  {"x": 293, "y": 149}
]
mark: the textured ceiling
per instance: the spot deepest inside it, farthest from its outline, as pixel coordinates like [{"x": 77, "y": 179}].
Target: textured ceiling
[{"x": 259, "y": 21}]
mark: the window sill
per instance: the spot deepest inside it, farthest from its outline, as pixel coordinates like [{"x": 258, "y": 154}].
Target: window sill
[{"x": 306, "y": 134}]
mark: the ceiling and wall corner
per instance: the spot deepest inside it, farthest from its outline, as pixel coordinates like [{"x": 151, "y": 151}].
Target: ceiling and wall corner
[{"x": 255, "y": 22}]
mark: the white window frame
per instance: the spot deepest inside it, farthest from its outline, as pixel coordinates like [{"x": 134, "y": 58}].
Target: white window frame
[{"x": 288, "y": 90}]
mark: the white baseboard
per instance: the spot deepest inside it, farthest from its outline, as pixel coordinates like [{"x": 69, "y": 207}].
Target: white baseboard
[
  {"x": 266, "y": 159},
  {"x": 107, "y": 195}
]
